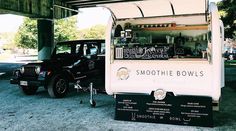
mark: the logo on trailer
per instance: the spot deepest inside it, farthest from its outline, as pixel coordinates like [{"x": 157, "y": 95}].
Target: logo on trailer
[
  {"x": 123, "y": 73},
  {"x": 159, "y": 94}
]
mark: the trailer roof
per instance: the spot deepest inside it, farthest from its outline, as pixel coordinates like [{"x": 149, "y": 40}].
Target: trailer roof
[{"x": 151, "y": 8}]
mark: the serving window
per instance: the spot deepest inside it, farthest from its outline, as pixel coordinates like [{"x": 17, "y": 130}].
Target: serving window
[{"x": 160, "y": 41}]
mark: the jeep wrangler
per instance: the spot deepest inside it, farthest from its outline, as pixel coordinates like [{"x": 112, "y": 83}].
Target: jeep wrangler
[{"x": 79, "y": 61}]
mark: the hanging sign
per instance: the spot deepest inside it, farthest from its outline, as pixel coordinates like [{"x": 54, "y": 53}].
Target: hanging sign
[{"x": 143, "y": 53}]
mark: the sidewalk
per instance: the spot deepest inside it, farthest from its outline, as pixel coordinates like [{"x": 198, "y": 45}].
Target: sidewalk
[{"x": 16, "y": 58}]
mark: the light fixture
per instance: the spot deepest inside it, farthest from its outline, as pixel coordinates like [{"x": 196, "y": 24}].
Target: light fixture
[
  {"x": 37, "y": 69},
  {"x": 22, "y": 70}
]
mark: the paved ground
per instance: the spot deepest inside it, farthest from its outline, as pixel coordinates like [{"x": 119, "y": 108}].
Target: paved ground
[
  {"x": 6, "y": 69},
  {"x": 40, "y": 112}
]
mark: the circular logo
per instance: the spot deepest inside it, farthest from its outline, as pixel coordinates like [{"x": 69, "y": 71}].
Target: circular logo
[
  {"x": 123, "y": 73},
  {"x": 159, "y": 94}
]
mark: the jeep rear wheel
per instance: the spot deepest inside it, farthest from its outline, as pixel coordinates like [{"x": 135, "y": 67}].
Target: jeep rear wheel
[
  {"x": 29, "y": 90},
  {"x": 58, "y": 86}
]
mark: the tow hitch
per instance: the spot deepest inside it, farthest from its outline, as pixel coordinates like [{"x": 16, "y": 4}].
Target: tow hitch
[
  {"x": 92, "y": 92},
  {"x": 85, "y": 89}
]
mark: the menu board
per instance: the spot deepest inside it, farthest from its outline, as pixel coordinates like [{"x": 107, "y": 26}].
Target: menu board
[
  {"x": 179, "y": 110},
  {"x": 143, "y": 53}
]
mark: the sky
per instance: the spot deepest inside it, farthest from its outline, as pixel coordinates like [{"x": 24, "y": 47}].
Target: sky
[{"x": 86, "y": 19}]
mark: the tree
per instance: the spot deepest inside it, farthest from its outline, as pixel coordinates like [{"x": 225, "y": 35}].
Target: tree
[
  {"x": 64, "y": 29},
  {"x": 26, "y": 36},
  {"x": 95, "y": 32},
  {"x": 227, "y": 9}
]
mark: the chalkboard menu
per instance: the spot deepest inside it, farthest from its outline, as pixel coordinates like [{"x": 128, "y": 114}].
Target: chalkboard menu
[
  {"x": 158, "y": 52},
  {"x": 179, "y": 110}
]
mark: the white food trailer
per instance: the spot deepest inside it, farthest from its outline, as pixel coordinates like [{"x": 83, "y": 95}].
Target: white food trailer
[{"x": 165, "y": 46}]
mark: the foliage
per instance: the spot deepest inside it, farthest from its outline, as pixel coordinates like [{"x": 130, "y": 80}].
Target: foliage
[
  {"x": 95, "y": 32},
  {"x": 227, "y": 9},
  {"x": 230, "y": 63},
  {"x": 26, "y": 36},
  {"x": 65, "y": 29}
]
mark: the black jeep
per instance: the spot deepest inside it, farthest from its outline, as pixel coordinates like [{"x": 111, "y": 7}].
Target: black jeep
[{"x": 71, "y": 62}]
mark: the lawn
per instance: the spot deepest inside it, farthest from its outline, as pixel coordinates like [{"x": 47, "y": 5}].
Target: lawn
[{"x": 231, "y": 63}]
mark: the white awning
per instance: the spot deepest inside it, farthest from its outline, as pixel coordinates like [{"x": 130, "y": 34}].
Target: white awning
[{"x": 151, "y": 8}]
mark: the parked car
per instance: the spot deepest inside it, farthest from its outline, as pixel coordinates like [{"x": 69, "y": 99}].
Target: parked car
[{"x": 71, "y": 62}]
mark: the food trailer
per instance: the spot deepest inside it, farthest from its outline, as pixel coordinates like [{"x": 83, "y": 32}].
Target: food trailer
[{"x": 157, "y": 47}]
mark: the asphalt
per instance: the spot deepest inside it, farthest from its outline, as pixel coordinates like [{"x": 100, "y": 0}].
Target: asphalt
[
  {"x": 73, "y": 113},
  {"x": 40, "y": 112},
  {"x": 6, "y": 69}
]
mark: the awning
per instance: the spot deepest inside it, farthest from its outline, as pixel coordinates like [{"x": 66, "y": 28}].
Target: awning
[{"x": 151, "y": 8}]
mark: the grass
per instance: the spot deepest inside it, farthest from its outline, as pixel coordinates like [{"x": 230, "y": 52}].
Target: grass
[{"x": 231, "y": 63}]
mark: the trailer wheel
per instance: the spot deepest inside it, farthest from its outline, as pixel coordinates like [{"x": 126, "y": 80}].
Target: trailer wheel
[
  {"x": 92, "y": 103},
  {"x": 29, "y": 90},
  {"x": 58, "y": 86}
]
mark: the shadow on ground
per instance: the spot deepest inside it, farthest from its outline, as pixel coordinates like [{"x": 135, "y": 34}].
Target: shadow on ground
[{"x": 227, "y": 114}]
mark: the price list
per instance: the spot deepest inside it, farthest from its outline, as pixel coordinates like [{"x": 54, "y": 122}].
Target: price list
[{"x": 179, "y": 110}]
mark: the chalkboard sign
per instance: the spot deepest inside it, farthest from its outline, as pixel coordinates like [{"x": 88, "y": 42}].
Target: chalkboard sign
[
  {"x": 142, "y": 53},
  {"x": 179, "y": 110}
]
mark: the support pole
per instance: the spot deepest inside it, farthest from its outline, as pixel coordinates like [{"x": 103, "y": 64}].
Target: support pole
[
  {"x": 92, "y": 92},
  {"x": 45, "y": 39}
]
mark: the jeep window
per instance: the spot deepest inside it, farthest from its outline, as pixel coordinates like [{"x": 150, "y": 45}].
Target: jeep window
[
  {"x": 102, "y": 48},
  {"x": 63, "y": 49},
  {"x": 90, "y": 49},
  {"x": 93, "y": 51},
  {"x": 78, "y": 49}
]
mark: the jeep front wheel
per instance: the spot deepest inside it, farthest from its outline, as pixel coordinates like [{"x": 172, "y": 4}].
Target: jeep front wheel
[
  {"x": 58, "y": 86},
  {"x": 29, "y": 90}
]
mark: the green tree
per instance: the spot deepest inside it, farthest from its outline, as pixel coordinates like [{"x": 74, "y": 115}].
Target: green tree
[
  {"x": 95, "y": 32},
  {"x": 26, "y": 36},
  {"x": 64, "y": 29},
  {"x": 227, "y": 9}
]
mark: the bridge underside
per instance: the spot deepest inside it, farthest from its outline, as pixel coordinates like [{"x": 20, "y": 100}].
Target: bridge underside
[
  {"x": 36, "y": 8},
  {"x": 50, "y": 9},
  {"x": 46, "y": 11}
]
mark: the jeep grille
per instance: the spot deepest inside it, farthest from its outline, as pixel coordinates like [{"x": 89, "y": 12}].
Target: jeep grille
[{"x": 29, "y": 71}]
